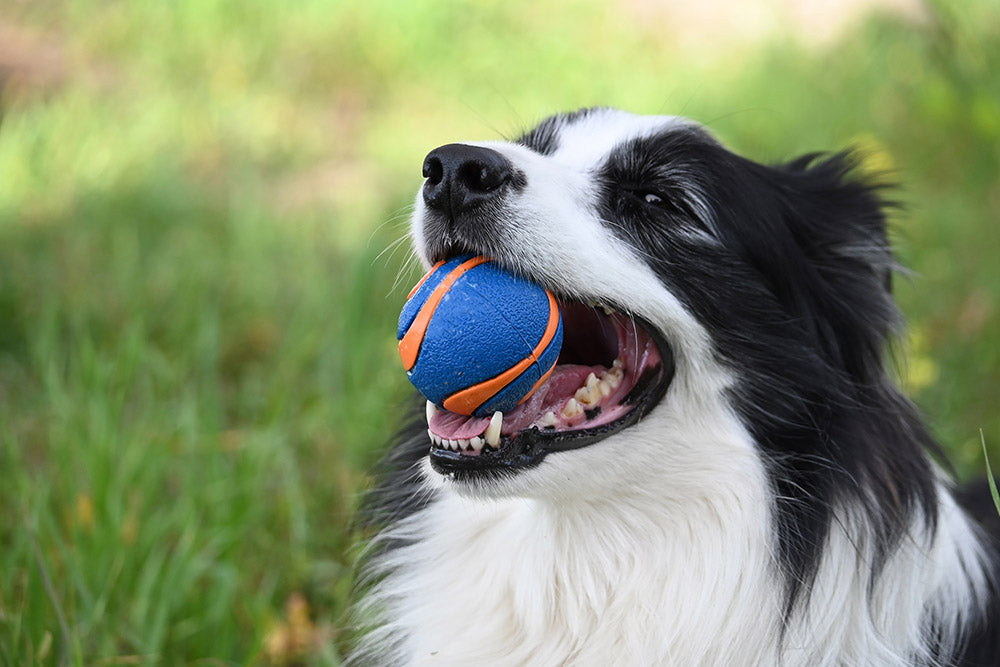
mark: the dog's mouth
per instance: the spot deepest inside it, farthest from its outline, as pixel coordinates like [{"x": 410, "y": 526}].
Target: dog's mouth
[{"x": 613, "y": 368}]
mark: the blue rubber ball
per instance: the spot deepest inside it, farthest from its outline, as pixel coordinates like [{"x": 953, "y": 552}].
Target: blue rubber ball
[{"x": 475, "y": 339}]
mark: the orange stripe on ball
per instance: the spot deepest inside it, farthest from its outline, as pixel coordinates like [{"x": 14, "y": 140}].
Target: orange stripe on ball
[
  {"x": 409, "y": 346},
  {"x": 423, "y": 280},
  {"x": 466, "y": 401},
  {"x": 542, "y": 380}
]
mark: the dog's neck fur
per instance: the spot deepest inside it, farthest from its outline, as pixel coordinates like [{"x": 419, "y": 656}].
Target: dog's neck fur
[
  {"x": 534, "y": 582},
  {"x": 687, "y": 577}
]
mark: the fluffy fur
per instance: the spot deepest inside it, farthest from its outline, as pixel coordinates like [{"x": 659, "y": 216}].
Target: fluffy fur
[{"x": 776, "y": 507}]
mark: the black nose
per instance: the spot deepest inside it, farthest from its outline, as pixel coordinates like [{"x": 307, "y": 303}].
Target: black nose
[{"x": 461, "y": 177}]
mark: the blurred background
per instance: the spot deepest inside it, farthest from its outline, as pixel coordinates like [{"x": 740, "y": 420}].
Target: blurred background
[{"x": 201, "y": 211}]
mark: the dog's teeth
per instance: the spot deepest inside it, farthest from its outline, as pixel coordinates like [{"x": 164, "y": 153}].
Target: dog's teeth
[
  {"x": 476, "y": 444},
  {"x": 548, "y": 419},
  {"x": 572, "y": 409},
  {"x": 605, "y": 388},
  {"x": 492, "y": 434},
  {"x": 608, "y": 310},
  {"x": 431, "y": 409},
  {"x": 587, "y": 397},
  {"x": 615, "y": 374}
]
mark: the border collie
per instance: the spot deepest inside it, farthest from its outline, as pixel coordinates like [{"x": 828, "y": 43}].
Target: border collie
[{"x": 753, "y": 489}]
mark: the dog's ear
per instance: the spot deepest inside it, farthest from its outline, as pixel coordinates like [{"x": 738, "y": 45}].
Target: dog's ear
[{"x": 826, "y": 255}]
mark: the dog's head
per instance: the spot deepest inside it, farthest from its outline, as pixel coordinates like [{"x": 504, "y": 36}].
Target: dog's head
[{"x": 715, "y": 294}]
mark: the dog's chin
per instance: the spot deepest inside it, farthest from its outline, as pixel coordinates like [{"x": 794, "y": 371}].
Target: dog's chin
[{"x": 613, "y": 369}]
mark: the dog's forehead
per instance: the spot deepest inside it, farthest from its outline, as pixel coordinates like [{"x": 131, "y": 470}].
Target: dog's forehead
[{"x": 588, "y": 138}]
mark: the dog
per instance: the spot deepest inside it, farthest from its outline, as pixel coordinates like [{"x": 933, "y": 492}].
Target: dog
[{"x": 753, "y": 489}]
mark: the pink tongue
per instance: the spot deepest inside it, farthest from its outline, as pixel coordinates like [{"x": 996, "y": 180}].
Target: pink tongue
[
  {"x": 454, "y": 426},
  {"x": 565, "y": 380},
  {"x": 563, "y": 383}
]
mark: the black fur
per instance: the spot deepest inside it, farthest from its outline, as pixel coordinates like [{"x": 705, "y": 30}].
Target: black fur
[{"x": 397, "y": 493}]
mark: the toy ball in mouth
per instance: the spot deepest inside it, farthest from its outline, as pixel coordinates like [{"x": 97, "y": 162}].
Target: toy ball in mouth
[{"x": 475, "y": 339}]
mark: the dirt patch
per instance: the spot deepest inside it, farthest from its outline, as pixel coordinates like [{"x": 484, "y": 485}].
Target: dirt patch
[{"x": 31, "y": 63}]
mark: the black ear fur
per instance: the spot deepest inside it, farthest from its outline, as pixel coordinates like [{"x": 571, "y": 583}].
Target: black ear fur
[{"x": 826, "y": 256}]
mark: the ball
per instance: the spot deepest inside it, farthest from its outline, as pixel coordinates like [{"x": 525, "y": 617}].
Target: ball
[{"x": 475, "y": 339}]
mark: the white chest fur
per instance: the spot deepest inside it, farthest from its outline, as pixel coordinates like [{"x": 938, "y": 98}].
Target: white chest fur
[{"x": 624, "y": 582}]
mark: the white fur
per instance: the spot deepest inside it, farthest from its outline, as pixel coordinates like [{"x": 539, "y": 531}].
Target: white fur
[{"x": 654, "y": 546}]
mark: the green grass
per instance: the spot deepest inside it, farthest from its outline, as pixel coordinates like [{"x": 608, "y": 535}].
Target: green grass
[{"x": 197, "y": 307}]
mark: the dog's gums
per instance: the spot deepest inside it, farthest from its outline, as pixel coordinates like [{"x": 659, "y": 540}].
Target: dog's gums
[{"x": 611, "y": 371}]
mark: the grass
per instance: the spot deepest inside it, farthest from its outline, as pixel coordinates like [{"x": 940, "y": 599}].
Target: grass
[{"x": 197, "y": 303}]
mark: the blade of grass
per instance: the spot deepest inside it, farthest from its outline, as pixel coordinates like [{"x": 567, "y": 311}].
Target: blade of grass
[
  {"x": 50, "y": 590},
  {"x": 989, "y": 474}
]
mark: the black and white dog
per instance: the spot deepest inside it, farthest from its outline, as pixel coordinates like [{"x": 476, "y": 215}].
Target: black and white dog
[{"x": 719, "y": 471}]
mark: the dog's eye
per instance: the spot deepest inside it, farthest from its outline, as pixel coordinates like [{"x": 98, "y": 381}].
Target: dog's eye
[{"x": 650, "y": 197}]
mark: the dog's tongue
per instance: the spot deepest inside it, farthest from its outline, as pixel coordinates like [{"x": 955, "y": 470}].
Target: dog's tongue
[
  {"x": 563, "y": 382},
  {"x": 455, "y": 426}
]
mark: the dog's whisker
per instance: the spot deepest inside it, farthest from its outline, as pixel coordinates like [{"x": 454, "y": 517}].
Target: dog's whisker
[
  {"x": 411, "y": 260},
  {"x": 400, "y": 216},
  {"x": 392, "y": 247}
]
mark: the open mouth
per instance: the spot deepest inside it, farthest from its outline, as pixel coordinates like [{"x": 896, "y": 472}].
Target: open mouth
[{"x": 612, "y": 370}]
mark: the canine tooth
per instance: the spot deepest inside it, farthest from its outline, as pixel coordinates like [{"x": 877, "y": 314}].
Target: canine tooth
[
  {"x": 431, "y": 409},
  {"x": 572, "y": 408},
  {"x": 492, "y": 434},
  {"x": 548, "y": 419}
]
